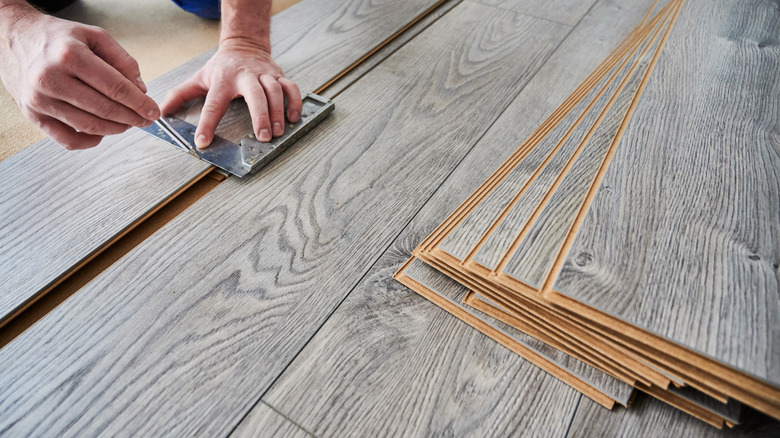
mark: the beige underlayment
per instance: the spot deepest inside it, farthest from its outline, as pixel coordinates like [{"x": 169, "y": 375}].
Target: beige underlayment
[{"x": 158, "y": 34}]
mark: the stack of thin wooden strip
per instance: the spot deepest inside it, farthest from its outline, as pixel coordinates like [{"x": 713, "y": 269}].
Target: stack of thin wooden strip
[{"x": 516, "y": 259}]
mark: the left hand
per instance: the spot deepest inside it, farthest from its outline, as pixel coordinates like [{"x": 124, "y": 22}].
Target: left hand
[{"x": 239, "y": 69}]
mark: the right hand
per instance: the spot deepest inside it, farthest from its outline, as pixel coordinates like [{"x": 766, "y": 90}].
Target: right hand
[{"x": 74, "y": 81}]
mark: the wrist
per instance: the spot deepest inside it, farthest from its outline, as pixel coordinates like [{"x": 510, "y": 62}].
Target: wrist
[
  {"x": 246, "y": 44},
  {"x": 14, "y": 15}
]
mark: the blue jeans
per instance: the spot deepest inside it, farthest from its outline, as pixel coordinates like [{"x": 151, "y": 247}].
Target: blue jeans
[{"x": 201, "y": 8}]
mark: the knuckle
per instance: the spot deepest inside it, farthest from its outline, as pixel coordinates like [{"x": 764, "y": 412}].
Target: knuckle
[
  {"x": 119, "y": 92},
  {"x": 211, "y": 108},
  {"x": 91, "y": 127},
  {"x": 274, "y": 88},
  {"x": 109, "y": 111}
]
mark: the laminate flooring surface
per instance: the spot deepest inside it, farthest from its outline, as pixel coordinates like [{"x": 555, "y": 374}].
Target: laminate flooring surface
[
  {"x": 195, "y": 324},
  {"x": 682, "y": 237},
  {"x": 61, "y": 207}
]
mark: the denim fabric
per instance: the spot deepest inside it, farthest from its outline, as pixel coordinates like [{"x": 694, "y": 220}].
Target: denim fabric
[{"x": 201, "y": 8}]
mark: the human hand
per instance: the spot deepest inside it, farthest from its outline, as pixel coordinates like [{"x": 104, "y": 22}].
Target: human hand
[
  {"x": 239, "y": 69},
  {"x": 74, "y": 81}
]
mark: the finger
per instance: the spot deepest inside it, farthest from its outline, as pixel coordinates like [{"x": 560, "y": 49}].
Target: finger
[
  {"x": 66, "y": 136},
  {"x": 83, "y": 121},
  {"x": 181, "y": 94},
  {"x": 294, "y": 101},
  {"x": 79, "y": 95},
  {"x": 275, "y": 98},
  {"x": 104, "y": 78},
  {"x": 214, "y": 108},
  {"x": 258, "y": 107},
  {"x": 108, "y": 49}
]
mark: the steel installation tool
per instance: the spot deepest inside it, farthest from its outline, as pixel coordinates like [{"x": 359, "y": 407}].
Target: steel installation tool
[{"x": 250, "y": 155}]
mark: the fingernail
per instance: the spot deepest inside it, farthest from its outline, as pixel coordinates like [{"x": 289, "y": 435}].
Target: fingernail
[
  {"x": 153, "y": 114},
  {"x": 264, "y": 135},
  {"x": 278, "y": 130},
  {"x": 201, "y": 141},
  {"x": 294, "y": 116}
]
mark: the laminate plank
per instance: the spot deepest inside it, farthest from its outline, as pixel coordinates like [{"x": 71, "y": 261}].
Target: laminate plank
[
  {"x": 59, "y": 208},
  {"x": 569, "y": 369},
  {"x": 561, "y": 11},
  {"x": 536, "y": 252},
  {"x": 197, "y": 322},
  {"x": 682, "y": 237},
  {"x": 517, "y": 218},
  {"x": 652, "y": 418},
  {"x": 263, "y": 421}
]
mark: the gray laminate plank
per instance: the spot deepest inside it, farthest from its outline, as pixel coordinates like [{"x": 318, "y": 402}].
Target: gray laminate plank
[
  {"x": 466, "y": 235},
  {"x": 58, "y": 208},
  {"x": 561, "y": 11},
  {"x": 534, "y": 256},
  {"x": 649, "y": 417},
  {"x": 186, "y": 331},
  {"x": 683, "y": 236},
  {"x": 500, "y": 240},
  {"x": 263, "y": 421},
  {"x": 454, "y": 292}
]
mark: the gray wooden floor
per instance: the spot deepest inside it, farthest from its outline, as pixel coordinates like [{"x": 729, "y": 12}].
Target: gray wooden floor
[{"x": 268, "y": 307}]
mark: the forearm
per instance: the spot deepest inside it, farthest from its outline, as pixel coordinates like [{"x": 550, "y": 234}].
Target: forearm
[{"x": 246, "y": 23}]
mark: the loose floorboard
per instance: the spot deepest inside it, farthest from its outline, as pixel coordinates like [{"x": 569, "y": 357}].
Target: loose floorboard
[
  {"x": 197, "y": 322},
  {"x": 650, "y": 417},
  {"x": 716, "y": 190},
  {"x": 59, "y": 208},
  {"x": 449, "y": 295}
]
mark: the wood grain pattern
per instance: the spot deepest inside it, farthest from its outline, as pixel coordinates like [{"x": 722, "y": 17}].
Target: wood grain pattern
[
  {"x": 561, "y": 11},
  {"x": 198, "y": 321},
  {"x": 410, "y": 369},
  {"x": 499, "y": 241},
  {"x": 709, "y": 176},
  {"x": 262, "y": 421},
  {"x": 531, "y": 261},
  {"x": 59, "y": 208}
]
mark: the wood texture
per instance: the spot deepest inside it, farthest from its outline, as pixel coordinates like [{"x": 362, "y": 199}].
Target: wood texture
[
  {"x": 389, "y": 363},
  {"x": 561, "y": 11},
  {"x": 58, "y": 208},
  {"x": 197, "y": 322},
  {"x": 262, "y": 421},
  {"x": 533, "y": 258},
  {"x": 682, "y": 238}
]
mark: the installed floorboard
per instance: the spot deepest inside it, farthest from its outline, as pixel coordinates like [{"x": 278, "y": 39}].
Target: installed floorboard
[
  {"x": 58, "y": 208},
  {"x": 562, "y": 11},
  {"x": 263, "y": 421},
  {"x": 709, "y": 176},
  {"x": 197, "y": 322},
  {"x": 389, "y": 363}
]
